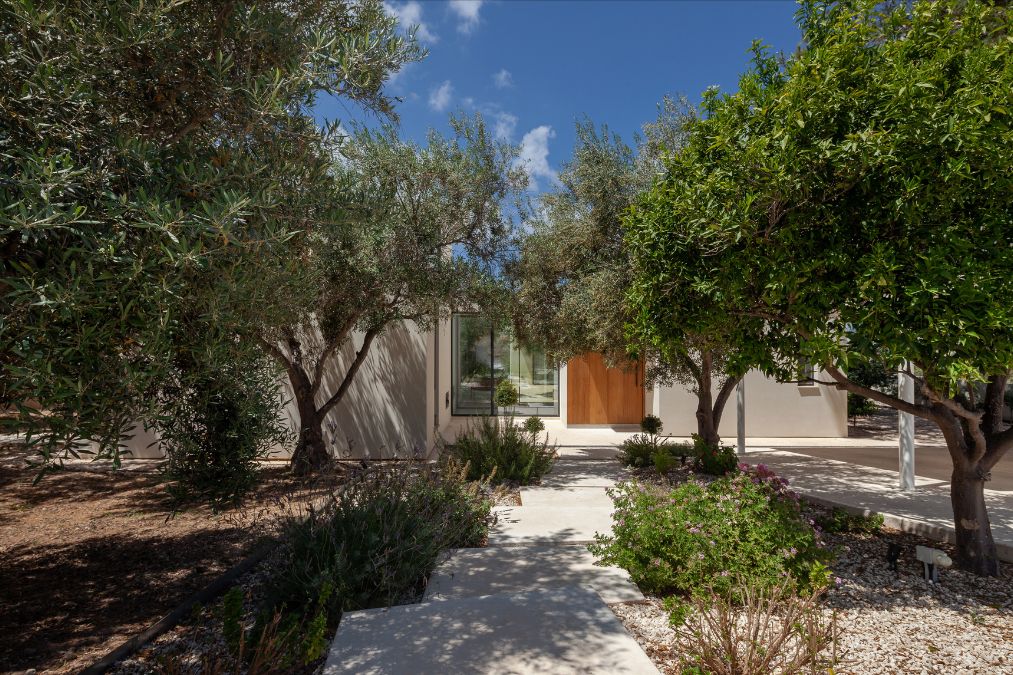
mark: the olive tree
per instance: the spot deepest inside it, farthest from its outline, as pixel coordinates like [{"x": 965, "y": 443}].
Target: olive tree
[
  {"x": 853, "y": 204},
  {"x": 158, "y": 161},
  {"x": 419, "y": 234},
  {"x": 574, "y": 267}
]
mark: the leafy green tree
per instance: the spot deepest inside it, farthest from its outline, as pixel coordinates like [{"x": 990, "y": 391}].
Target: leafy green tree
[
  {"x": 159, "y": 160},
  {"x": 420, "y": 235},
  {"x": 574, "y": 267},
  {"x": 853, "y": 203}
]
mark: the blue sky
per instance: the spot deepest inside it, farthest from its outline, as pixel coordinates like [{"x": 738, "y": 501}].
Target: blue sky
[{"x": 535, "y": 67}]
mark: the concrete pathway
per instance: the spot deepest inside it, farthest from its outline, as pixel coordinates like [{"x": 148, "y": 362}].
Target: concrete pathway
[
  {"x": 532, "y": 601},
  {"x": 473, "y": 572},
  {"x": 569, "y": 506},
  {"x": 926, "y": 510},
  {"x": 559, "y": 631}
]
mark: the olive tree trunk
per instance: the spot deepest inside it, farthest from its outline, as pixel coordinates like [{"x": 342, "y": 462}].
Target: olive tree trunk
[{"x": 311, "y": 453}]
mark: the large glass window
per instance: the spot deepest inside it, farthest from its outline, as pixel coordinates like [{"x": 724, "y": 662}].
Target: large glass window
[{"x": 484, "y": 357}]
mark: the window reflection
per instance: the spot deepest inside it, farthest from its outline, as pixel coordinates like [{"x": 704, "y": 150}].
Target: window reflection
[{"x": 483, "y": 357}]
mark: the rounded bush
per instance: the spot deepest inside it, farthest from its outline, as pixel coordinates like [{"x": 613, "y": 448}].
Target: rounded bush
[{"x": 703, "y": 536}]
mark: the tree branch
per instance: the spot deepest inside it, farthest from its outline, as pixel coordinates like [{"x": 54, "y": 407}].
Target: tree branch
[
  {"x": 995, "y": 403},
  {"x": 295, "y": 373},
  {"x": 318, "y": 371},
  {"x": 842, "y": 381},
  {"x": 999, "y": 444},
  {"x": 724, "y": 393},
  {"x": 689, "y": 365},
  {"x": 972, "y": 421},
  {"x": 360, "y": 356}
]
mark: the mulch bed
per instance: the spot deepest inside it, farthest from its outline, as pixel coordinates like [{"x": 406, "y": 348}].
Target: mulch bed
[{"x": 89, "y": 557}]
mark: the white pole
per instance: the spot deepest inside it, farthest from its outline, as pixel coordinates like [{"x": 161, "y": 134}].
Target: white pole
[
  {"x": 740, "y": 408},
  {"x": 906, "y": 430}
]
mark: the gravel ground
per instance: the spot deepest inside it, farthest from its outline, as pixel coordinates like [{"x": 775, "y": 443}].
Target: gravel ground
[{"x": 889, "y": 622}]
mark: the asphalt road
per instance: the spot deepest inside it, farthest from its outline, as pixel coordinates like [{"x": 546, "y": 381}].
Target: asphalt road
[{"x": 930, "y": 462}]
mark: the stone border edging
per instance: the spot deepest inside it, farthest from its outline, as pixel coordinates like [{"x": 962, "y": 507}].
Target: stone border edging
[
  {"x": 904, "y": 524},
  {"x": 181, "y": 611}
]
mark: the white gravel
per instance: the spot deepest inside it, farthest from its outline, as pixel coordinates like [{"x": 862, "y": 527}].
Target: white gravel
[{"x": 889, "y": 622}]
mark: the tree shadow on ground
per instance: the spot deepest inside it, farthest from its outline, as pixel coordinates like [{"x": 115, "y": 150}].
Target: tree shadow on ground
[
  {"x": 90, "y": 557},
  {"x": 62, "y": 600}
]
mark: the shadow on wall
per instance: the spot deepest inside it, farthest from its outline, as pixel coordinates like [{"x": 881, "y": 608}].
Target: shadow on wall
[{"x": 383, "y": 414}]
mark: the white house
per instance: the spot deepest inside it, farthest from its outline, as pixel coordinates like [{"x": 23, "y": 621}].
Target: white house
[{"x": 417, "y": 387}]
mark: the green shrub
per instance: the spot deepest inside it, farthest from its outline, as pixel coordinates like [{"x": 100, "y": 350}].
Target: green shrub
[
  {"x": 713, "y": 460},
  {"x": 376, "y": 544},
  {"x": 664, "y": 460},
  {"x": 697, "y": 536},
  {"x": 222, "y": 424},
  {"x": 638, "y": 450},
  {"x": 232, "y": 618},
  {"x": 838, "y": 520},
  {"x": 651, "y": 425},
  {"x": 502, "y": 451},
  {"x": 506, "y": 394},
  {"x": 534, "y": 425},
  {"x": 648, "y": 448}
]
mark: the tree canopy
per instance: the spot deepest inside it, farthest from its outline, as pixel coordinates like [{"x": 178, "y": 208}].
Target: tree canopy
[
  {"x": 851, "y": 203},
  {"x": 575, "y": 267},
  {"x": 421, "y": 233},
  {"x": 158, "y": 160}
]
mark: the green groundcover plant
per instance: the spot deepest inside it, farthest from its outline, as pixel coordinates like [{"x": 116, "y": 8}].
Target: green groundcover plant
[
  {"x": 376, "y": 544},
  {"x": 699, "y": 537}
]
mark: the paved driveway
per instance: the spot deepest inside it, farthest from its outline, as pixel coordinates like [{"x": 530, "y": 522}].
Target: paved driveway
[{"x": 930, "y": 461}]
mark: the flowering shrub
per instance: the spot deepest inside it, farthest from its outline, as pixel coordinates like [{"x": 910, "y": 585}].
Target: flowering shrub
[{"x": 696, "y": 536}]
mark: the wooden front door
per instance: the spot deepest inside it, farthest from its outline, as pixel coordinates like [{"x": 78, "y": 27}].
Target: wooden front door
[{"x": 596, "y": 394}]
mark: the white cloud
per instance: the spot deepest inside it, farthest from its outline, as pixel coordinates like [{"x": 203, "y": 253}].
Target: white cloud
[
  {"x": 503, "y": 125},
  {"x": 534, "y": 155},
  {"x": 503, "y": 79},
  {"x": 467, "y": 13},
  {"x": 410, "y": 15},
  {"x": 439, "y": 98}
]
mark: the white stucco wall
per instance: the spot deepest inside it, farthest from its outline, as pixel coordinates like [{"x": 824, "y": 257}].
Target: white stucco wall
[
  {"x": 399, "y": 401},
  {"x": 773, "y": 409},
  {"x": 385, "y": 412}
]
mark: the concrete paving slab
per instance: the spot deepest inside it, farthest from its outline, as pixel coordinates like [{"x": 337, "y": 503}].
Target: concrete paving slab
[
  {"x": 588, "y": 452},
  {"x": 473, "y": 572},
  {"x": 572, "y": 472},
  {"x": 557, "y": 631},
  {"x": 548, "y": 524},
  {"x": 926, "y": 510},
  {"x": 562, "y": 497}
]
